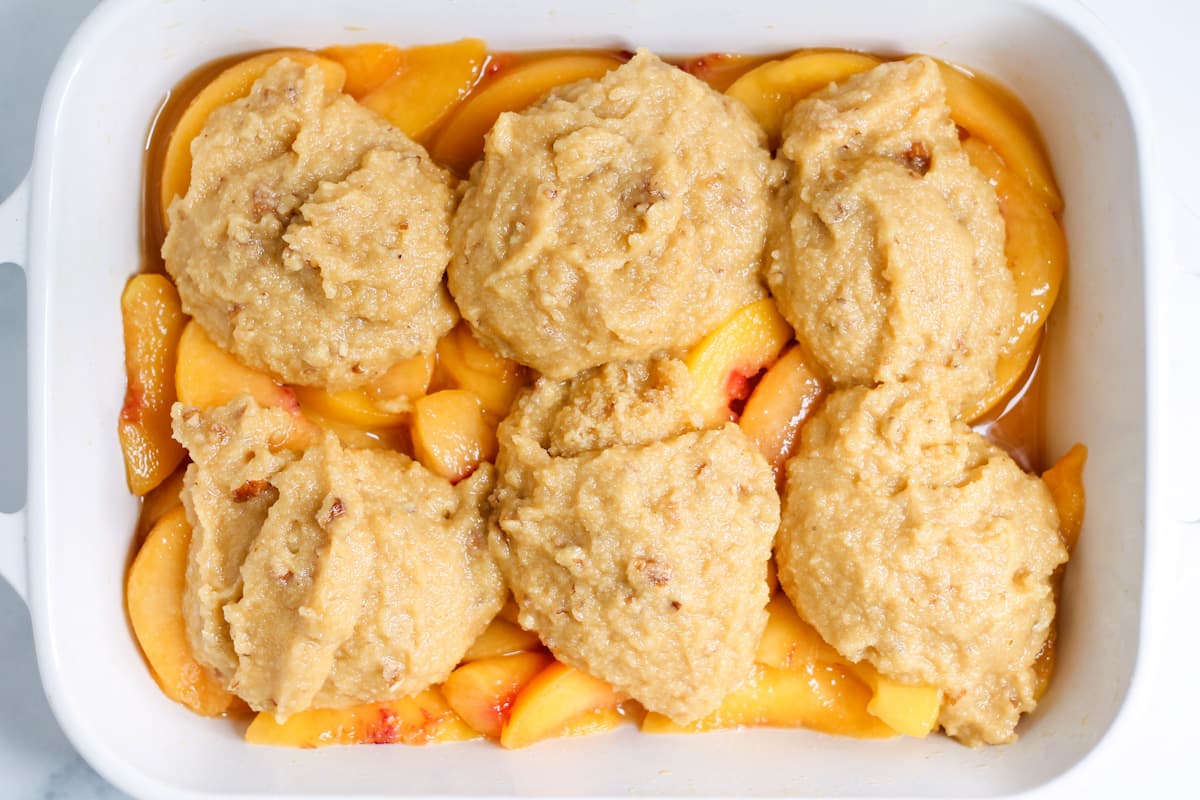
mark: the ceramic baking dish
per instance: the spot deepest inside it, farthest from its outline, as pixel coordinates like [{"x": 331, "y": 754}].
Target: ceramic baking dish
[{"x": 74, "y": 226}]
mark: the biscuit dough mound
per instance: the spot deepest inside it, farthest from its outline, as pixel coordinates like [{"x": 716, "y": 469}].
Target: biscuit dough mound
[
  {"x": 911, "y": 541},
  {"x": 887, "y": 252},
  {"x": 617, "y": 218},
  {"x": 313, "y": 237},
  {"x": 636, "y": 545},
  {"x": 327, "y": 578}
]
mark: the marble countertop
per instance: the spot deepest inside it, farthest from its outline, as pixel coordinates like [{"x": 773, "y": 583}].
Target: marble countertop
[{"x": 1152, "y": 757}]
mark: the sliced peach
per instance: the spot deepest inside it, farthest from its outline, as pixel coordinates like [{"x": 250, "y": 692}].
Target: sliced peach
[
  {"x": 1034, "y": 243},
  {"x": 367, "y": 65},
  {"x": 984, "y": 113},
  {"x": 502, "y": 638},
  {"x": 153, "y": 322},
  {"x": 232, "y": 84},
  {"x": 161, "y": 499},
  {"x": 421, "y": 719},
  {"x": 906, "y": 709},
  {"x": 406, "y": 380},
  {"x": 789, "y": 642},
  {"x": 450, "y": 434},
  {"x": 207, "y": 376},
  {"x": 589, "y": 723},
  {"x": 154, "y": 597},
  {"x": 822, "y": 697},
  {"x": 466, "y": 364},
  {"x": 720, "y": 70},
  {"x": 363, "y": 438},
  {"x": 771, "y": 90},
  {"x": 777, "y": 408},
  {"x": 355, "y": 406},
  {"x": 459, "y": 144},
  {"x": 482, "y": 692},
  {"x": 1065, "y": 480},
  {"x": 1011, "y": 370},
  {"x": 724, "y": 362},
  {"x": 553, "y": 699},
  {"x": 429, "y": 82}
]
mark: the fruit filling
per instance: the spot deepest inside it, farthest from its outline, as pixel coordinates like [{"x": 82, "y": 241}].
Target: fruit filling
[{"x": 475, "y": 394}]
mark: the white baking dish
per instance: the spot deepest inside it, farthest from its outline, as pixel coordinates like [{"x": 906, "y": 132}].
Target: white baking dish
[{"x": 74, "y": 225}]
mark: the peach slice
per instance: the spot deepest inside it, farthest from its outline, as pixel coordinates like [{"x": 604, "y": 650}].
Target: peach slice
[
  {"x": 789, "y": 642},
  {"x": 777, "y": 408},
  {"x": 405, "y": 381},
  {"x": 1065, "y": 480},
  {"x": 720, "y": 70},
  {"x": 428, "y": 83},
  {"x": 1011, "y": 370},
  {"x": 984, "y": 113},
  {"x": 1034, "y": 243},
  {"x": 509, "y": 612},
  {"x": 207, "y": 376},
  {"x": 232, "y": 84},
  {"x": 724, "y": 362},
  {"x": 450, "y": 435},
  {"x": 161, "y": 499},
  {"x": 363, "y": 438},
  {"x": 466, "y": 364},
  {"x": 482, "y": 692},
  {"x": 153, "y": 321},
  {"x": 154, "y": 597},
  {"x": 502, "y": 638},
  {"x": 459, "y": 144},
  {"x": 354, "y": 406},
  {"x": 822, "y": 697},
  {"x": 590, "y": 723},
  {"x": 421, "y": 719},
  {"x": 367, "y": 65},
  {"x": 771, "y": 90},
  {"x": 556, "y": 697}
]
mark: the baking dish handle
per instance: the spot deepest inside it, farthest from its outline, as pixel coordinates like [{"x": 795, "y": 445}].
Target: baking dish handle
[{"x": 14, "y": 214}]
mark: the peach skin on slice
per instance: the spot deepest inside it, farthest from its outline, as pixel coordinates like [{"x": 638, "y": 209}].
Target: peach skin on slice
[
  {"x": 822, "y": 697},
  {"x": 450, "y": 434},
  {"x": 154, "y": 598},
  {"x": 459, "y": 143},
  {"x": 153, "y": 321},
  {"x": 771, "y": 90},
  {"x": 466, "y": 364},
  {"x": 502, "y": 638},
  {"x": 552, "y": 700},
  {"x": 723, "y": 363},
  {"x": 421, "y": 719},
  {"x": 482, "y": 692},
  {"x": 983, "y": 113},
  {"x": 367, "y": 65},
  {"x": 428, "y": 83},
  {"x": 207, "y": 376},
  {"x": 232, "y": 84},
  {"x": 785, "y": 396}
]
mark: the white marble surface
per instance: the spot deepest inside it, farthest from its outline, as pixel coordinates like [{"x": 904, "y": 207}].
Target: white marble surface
[{"x": 1154, "y": 757}]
